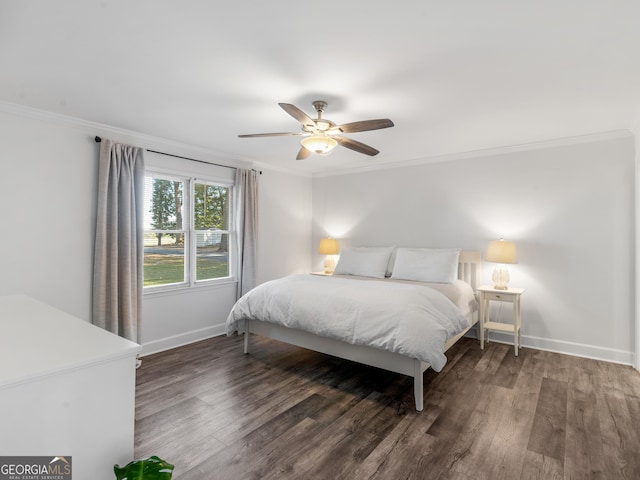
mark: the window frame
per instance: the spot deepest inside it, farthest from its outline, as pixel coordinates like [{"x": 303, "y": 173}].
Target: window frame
[{"x": 190, "y": 233}]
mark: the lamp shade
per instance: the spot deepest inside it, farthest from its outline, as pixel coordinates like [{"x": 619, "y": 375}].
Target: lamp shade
[
  {"x": 321, "y": 144},
  {"x": 500, "y": 251},
  {"x": 328, "y": 246}
]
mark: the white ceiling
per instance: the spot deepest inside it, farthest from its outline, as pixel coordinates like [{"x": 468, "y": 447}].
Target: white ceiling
[{"x": 454, "y": 76}]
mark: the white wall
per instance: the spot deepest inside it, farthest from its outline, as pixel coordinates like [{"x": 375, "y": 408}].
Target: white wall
[
  {"x": 47, "y": 183},
  {"x": 636, "y": 132},
  {"x": 47, "y": 192},
  {"x": 569, "y": 208},
  {"x": 285, "y": 225}
]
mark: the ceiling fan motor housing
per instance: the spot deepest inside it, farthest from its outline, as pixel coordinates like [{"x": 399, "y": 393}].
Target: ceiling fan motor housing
[{"x": 320, "y": 105}]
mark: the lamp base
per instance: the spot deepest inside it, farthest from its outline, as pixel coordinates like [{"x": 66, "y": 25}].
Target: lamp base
[
  {"x": 329, "y": 264},
  {"x": 500, "y": 278}
]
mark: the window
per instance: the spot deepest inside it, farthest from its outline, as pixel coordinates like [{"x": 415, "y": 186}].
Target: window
[{"x": 187, "y": 231}]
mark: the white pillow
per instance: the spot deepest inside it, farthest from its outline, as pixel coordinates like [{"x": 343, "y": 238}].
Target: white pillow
[
  {"x": 364, "y": 261},
  {"x": 436, "y": 265}
]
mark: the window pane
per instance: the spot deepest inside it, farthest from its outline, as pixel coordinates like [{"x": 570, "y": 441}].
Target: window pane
[
  {"x": 163, "y": 204},
  {"x": 164, "y": 253},
  {"x": 212, "y": 255},
  {"x": 164, "y": 261},
  {"x": 211, "y": 207}
]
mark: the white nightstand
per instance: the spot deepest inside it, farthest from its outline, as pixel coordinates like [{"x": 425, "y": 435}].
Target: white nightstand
[{"x": 512, "y": 295}]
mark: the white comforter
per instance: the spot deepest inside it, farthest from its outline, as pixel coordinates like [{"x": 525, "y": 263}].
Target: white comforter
[{"x": 409, "y": 319}]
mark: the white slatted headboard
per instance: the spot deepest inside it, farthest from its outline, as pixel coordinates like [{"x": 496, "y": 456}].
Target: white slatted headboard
[{"x": 470, "y": 268}]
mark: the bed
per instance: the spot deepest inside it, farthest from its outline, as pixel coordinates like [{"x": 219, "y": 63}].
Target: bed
[{"x": 271, "y": 310}]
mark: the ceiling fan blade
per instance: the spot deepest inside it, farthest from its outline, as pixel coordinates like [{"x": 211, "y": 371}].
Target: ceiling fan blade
[
  {"x": 299, "y": 115},
  {"x": 285, "y": 134},
  {"x": 303, "y": 153},
  {"x": 365, "y": 125},
  {"x": 356, "y": 146}
]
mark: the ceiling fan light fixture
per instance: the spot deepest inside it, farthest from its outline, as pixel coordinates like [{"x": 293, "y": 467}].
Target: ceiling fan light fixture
[{"x": 321, "y": 144}]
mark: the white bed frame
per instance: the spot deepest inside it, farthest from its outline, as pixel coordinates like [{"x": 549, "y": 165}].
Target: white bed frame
[{"x": 469, "y": 270}]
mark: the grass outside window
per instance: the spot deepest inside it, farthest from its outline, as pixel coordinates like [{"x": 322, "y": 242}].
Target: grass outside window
[{"x": 162, "y": 269}]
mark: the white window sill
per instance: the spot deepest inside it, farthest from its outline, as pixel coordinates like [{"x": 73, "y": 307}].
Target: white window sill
[{"x": 186, "y": 289}]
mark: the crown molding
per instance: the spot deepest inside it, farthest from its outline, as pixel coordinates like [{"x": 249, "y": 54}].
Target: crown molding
[
  {"x": 555, "y": 143},
  {"x": 274, "y": 168},
  {"x": 143, "y": 140}
]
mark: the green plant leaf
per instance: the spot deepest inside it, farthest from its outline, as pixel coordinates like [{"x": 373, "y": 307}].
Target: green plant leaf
[{"x": 152, "y": 468}]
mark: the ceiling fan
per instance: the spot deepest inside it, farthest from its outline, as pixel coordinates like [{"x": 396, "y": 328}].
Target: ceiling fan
[{"x": 323, "y": 135}]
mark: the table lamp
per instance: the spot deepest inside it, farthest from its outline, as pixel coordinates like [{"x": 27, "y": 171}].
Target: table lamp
[
  {"x": 501, "y": 252},
  {"x": 329, "y": 247}
]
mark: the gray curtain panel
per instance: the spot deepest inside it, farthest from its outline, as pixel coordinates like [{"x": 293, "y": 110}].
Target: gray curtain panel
[
  {"x": 247, "y": 228},
  {"x": 119, "y": 254}
]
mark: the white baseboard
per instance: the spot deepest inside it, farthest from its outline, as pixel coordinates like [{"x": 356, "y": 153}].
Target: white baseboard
[
  {"x": 168, "y": 343},
  {"x": 556, "y": 346},
  {"x": 567, "y": 348}
]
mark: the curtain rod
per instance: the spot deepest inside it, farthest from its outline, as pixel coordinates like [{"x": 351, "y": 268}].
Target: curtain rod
[{"x": 98, "y": 140}]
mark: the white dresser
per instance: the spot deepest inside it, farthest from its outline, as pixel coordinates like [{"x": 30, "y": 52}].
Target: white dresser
[{"x": 67, "y": 388}]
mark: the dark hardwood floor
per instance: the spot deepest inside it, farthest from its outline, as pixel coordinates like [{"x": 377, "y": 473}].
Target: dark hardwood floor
[{"x": 287, "y": 413}]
